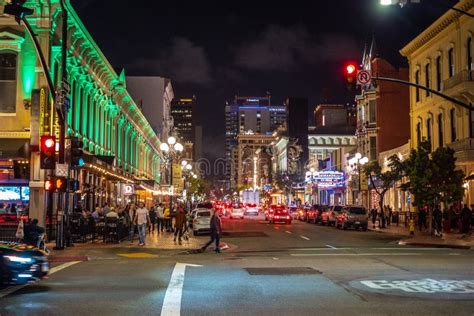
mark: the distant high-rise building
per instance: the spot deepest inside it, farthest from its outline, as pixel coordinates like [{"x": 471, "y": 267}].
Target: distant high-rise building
[
  {"x": 183, "y": 119},
  {"x": 297, "y": 125},
  {"x": 251, "y": 115}
]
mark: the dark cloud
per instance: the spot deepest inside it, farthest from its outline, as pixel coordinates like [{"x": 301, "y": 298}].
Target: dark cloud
[
  {"x": 183, "y": 62},
  {"x": 290, "y": 48}
]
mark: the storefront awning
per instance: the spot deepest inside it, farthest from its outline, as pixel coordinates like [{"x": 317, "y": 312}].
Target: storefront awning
[{"x": 15, "y": 148}]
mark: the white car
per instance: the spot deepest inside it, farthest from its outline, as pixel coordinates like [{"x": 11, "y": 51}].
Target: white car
[
  {"x": 201, "y": 221},
  {"x": 252, "y": 209},
  {"x": 237, "y": 211}
]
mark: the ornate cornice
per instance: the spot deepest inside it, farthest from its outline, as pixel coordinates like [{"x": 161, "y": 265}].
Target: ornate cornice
[{"x": 437, "y": 27}]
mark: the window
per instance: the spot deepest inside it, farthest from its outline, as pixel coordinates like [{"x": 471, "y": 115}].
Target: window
[
  {"x": 451, "y": 62},
  {"x": 8, "y": 63},
  {"x": 372, "y": 115},
  {"x": 427, "y": 78},
  {"x": 440, "y": 130},
  {"x": 438, "y": 73},
  {"x": 373, "y": 148},
  {"x": 452, "y": 123},
  {"x": 469, "y": 53},
  {"x": 417, "y": 81},
  {"x": 428, "y": 129},
  {"x": 418, "y": 133}
]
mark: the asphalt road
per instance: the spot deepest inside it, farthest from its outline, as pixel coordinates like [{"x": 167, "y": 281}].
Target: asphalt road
[{"x": 298, "y": 269}]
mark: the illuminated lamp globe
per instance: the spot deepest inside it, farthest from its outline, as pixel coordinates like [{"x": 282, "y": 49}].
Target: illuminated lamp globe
[
  {"x": 184, "y": 163},
  {"x": 358, "y": 156},
  {"x": 171, "y": 140},
  {"x": 164, "y": 147},
  {"x": 195, "y": 176},
  {"x": 178, "y": 147},
  {"x": 189, "y": 167}
]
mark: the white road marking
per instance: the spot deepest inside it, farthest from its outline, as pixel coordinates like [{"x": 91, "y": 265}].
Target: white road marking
[
  {"x": 62, "y": 266},
  {"x": 318, "y": 249},
  {"x": 275, "y": 258},
  {"x": 353, "y": 254},
  {"x": 329, "y": 246},
  {"x": 304, "y": 237},
  {"x": 12, "y": 289},
  {"x": 288, "y": 232},
  {"x": 172, "y": 301},
  {"x": 355, "y": 248}
]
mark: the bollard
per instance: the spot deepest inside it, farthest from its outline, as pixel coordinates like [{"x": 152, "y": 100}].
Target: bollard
[{"x": 411, "y": 226}]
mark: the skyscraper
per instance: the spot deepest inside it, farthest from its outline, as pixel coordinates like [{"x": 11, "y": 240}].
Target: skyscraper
[
  {"x": 250, "y": 115},
  {"x": 184, "y": 126}
]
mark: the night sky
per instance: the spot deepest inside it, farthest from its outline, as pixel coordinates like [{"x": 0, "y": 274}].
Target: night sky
[{"x": 215, "y": 50}]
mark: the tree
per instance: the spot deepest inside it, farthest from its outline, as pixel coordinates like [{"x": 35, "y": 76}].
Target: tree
[
  {"x": 447, "y": 181},
  {"x": 385, "y": 180},
  {"x": 199, "y": 187}
]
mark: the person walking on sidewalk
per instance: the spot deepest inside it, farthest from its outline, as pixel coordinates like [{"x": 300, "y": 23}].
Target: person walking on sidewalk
[
  {"x": 216, "y": 232},
  {"x": 132, "y": 211},
  {"x": 373, "y": 215},
  {"x": 422, "y": 218},
  {"x": 466, "y": 220},
  {"x": 437, "y": 219},
  {"x": 142, "y": 217},
  {"x": 160, "y": 225},
  {"x": 179, "y": 224},
  {"x": 167, "y": 218},
  {"x": 153, "y": 219}
]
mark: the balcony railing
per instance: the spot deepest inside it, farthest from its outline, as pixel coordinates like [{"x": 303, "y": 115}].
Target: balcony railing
[
  {"x": 460, "y": 77},
  {"x": 462, "y": 145}
]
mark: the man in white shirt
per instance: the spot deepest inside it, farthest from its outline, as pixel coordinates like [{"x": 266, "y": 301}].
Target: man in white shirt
[
  {"x": 142, "y": 217},
  {"x": 161, "y": 217}
]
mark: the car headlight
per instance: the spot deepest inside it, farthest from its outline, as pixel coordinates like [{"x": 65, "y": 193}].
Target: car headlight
[{"x": 16, "y": 259}]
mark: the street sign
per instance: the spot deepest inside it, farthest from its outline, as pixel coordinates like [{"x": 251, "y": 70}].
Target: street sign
[
  {"x": 363, "y": 77},
  {"x": 61, "y": 169}
]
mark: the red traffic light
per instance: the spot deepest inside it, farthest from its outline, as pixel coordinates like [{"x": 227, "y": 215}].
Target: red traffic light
[
  {"x": 350, "y": 69},
  {"x": 48, "y": 152},
  {"x": 48, "y": 185}
]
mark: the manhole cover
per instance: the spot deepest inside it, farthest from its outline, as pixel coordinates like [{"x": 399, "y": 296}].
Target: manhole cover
[
  {"x": 282, "y": 271},
  {"x": 244, "y": 234}
]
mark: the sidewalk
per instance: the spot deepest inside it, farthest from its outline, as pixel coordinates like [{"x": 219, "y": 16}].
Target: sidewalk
[
  {"x": 422, "y": 239},
  {"x": 153, "y": 244}
]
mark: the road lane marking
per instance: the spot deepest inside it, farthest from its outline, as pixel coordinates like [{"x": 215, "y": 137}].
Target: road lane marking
[
  {"x": 62, "y": 266},
  {"x": 276, "y": 227},
  {"x": 329, "y": 246},
  {"x": 288, "y": 232},
  {"x": 352, "y": 254},
  {"x": 318, "y": 249},
  {"x": 12, "y": 289},
  {"x": 174, "y": 292},
  {"x": 137, "y": 255},
  {"x": 304, "y": 237}
]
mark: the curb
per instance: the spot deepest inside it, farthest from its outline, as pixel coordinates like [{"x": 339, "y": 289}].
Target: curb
[{"x": 425, "y": 244}]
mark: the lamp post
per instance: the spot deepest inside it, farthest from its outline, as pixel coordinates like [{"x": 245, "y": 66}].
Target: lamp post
[
  {"x": 171, "y": 150},
  {"x": 311, "y": 175},
  {"x": 187, "y": 172},
  {"x": 358, "y": 161}
]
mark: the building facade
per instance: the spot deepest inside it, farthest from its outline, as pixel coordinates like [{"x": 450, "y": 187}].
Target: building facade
[
  {"x": 121, "y": 147},
  {"x": 441, "y": 57}
]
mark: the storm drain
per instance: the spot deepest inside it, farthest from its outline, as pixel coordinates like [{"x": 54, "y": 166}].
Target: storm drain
[
  {"x": 244, "y": 234},
  {"x": 282, "y": 271}
]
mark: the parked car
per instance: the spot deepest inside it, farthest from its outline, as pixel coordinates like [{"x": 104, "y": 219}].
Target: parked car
[
  {"x": 293, "y": 211},
  {"x": 237, "y": 211},
  {"x": 281, "y": 215},
  {"x": 251, "y": 209},
  {"x": 201, "y": 221},
  {"x": 312, "y": 215},
  {"x": 302, "y": 214},
  {"x": 352, "y": 217},
  {"x": 21, "y": 263},
  {"x": 328, "y": 217}
]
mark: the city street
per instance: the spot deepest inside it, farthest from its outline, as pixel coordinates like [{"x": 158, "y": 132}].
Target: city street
[{"x": 298, "y": 269}]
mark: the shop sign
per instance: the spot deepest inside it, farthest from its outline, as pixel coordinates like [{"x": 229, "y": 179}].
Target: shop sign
[
  {"x": 330, "y": 179},
  {"x": 128, "y": 189}
]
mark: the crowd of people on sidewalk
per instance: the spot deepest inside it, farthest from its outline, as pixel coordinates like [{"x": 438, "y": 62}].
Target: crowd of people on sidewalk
[{"x": 451, "y": 220}]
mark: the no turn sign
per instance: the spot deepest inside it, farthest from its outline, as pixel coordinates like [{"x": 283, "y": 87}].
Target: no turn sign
[{"x": 363, "y": 77}]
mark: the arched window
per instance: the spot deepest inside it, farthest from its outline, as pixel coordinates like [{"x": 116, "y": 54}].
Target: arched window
[
  {"x": 418, "y": 133},
  {"x": 427, "y": 78},
  {"x": 451, "y": 62},
  {"x": 438, "y": 73},
  {"x": 417, "y": 81},
  {"x": 452, "y": 123},
  {"x": 440, "y": 130},
  {"x": 428, "y": 129},
  {"x": 469, "y": 53},
  {"x": 8, "y": 64}
]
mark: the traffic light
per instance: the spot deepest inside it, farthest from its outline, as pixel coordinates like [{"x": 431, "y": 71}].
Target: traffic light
[
  {"x": 60, "y": 184},
  {"x": 16, "y": 9},
  {"x": 77, "y": 153},
  {"x": 47, "y": 152},
  {"x": 49, "y": 185},
  {"x": 350, "y": 72}
]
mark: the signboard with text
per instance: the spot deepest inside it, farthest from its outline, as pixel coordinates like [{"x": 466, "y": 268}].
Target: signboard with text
[{"x": 330, "y": 179}]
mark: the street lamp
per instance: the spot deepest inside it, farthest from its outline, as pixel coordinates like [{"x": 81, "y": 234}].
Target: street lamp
[{"x": 171, "y": 150}]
